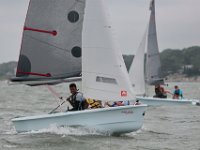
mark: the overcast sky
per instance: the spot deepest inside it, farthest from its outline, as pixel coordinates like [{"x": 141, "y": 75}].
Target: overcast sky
[{"x": 178, "y": 24}]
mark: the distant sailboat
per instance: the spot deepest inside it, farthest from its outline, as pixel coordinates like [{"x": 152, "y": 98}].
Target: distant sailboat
[
  {"x": 149, "y": 73},
  {"x": 153, "y": 63},
  {"x": 66, "y": 40}
]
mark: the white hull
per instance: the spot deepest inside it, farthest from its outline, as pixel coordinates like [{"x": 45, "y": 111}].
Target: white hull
[
  {"x": 113, "y": 120},
  {"x": 151, "y": 101}
]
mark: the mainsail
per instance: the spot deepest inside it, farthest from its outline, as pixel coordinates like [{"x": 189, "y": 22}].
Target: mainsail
[
  {"x": 153, "y": 64},
  {"x": 104, "y": 73},
  {"x": 52, "y": 42}
]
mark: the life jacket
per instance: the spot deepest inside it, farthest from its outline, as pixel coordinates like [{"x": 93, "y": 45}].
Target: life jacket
[
  {"x": 93, "y": 103},
  {"x": 78, "y": 105},
  {"x": 157, "y": 90},
  {"x": 178, "y": 92}
]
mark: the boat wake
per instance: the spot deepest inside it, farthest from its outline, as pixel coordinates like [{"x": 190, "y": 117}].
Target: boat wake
[
  {"x": 66, "y": 130},
  {"x": 154, "y": 132}
]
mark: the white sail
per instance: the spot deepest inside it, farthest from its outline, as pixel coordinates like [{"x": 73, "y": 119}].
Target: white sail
[
  {"x": 153, "y": 64},
  {"x": 51, "y": 44},
  {"x": 103, "y": 70},
  {"x": 136, "y": 72}
]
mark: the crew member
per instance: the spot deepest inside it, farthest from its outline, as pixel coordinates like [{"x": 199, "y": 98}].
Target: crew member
[
  {"x": 177, "y": 93},
  {"x": 76, "y": 100}
]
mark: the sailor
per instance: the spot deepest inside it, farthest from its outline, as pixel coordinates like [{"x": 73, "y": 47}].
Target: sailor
[
  {"x": 117, "y": 103},
  {"x": 177, "y": 93},
  {"x": 77, "y": 100},
  {"x": 160, "y": 92}
]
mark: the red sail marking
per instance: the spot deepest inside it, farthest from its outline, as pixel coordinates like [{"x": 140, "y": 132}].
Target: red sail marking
[
  {"x": 54, "y": 33},
  {"x": 35, "y": 74}
]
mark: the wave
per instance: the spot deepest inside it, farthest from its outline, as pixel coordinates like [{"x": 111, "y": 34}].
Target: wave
[
  {"x": 154, "y": 132},
  {"x": 66, "y": 130}
]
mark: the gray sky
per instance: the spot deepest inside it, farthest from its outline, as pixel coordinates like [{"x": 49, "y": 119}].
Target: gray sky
[{"x": 178, "y": 24}]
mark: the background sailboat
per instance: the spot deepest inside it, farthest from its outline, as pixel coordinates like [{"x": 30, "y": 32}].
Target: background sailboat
[
  {"x": 149, "y": 73},
  {"x": 74, "y": 39},
  {"x": 153, "y": 63}
]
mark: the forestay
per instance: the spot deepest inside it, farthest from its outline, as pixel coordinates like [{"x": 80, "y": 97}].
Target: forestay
[
  {"x": 51, "y": 44},
  {"x": 104, "y": 73},
  {"x": 153, "y": 64}
]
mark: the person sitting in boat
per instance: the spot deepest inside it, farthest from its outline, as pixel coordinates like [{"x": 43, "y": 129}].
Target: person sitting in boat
[
  {"x": 117, "y": 103},
  {"x": 177, "y": 93},
  {"x": 94, "y": 103},
  {"x": 77, "y": 101},
  {"x": 160, "y": 92}
]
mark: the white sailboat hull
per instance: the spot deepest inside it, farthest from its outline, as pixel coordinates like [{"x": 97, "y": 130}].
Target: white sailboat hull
[
  {"x": 113, "y": 120},
  {"x": 151, "y": 101}
]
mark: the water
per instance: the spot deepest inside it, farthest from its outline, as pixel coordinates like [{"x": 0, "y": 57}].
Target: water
[{"x": 170, "y": 128}]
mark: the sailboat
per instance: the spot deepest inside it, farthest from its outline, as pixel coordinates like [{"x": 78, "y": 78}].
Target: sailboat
[
  {"x": 68, "y": 40},
  {"x": 149, "y": 73}
]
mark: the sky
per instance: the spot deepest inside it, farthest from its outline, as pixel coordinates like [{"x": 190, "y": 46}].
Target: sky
[{"x": 178, "y": 24}]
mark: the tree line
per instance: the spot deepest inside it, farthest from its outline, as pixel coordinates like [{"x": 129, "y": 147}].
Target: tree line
[{"x": 182, "y": 61}]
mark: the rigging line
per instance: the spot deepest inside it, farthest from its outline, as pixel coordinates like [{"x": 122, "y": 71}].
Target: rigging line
[
  {"x": 56, "y": 96},
  {"x": 53, "y": 91},
  {"x": 61, "y": 49}
]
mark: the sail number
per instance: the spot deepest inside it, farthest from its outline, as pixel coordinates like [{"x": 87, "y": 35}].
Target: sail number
[{"x": 127, "y": 112}]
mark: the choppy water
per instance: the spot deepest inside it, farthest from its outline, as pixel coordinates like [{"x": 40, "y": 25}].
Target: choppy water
[{"x": 165, "y": 127}]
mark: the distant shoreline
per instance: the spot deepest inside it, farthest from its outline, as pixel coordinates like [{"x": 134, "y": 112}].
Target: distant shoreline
[{"x": 182, "y": 78}]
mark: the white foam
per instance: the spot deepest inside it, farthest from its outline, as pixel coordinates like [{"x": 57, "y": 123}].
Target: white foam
[
  {"x": 78, "y": 131},
  {"x": 10, "y": 132},
  {"x": 133, "y": 134},
  {"x": 9, "y": 146}
]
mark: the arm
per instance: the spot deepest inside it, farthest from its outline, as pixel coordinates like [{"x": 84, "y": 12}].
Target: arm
[{"x": 70, "y": 101}]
